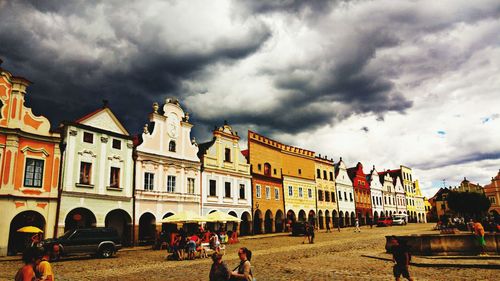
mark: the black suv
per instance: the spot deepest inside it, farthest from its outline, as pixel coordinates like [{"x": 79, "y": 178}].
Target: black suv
[
  {"x": 99, "y": 241},
  {"x": 298, "y": 228}
]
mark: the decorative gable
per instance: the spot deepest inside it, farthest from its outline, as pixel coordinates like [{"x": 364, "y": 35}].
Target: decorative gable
[{"x": 104, "y": 119}]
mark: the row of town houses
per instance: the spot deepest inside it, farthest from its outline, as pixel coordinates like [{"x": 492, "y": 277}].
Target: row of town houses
[{"x": 92, "y": 172}]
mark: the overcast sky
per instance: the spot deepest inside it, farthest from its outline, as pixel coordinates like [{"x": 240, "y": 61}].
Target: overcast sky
[{"x": 380, "y": 82}]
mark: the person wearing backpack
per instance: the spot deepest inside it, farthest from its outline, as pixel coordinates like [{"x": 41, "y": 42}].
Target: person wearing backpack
[{"x": 244, "y": 270}]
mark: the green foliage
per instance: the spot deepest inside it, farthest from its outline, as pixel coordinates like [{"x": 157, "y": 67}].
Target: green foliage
[{"x": 468, "y": 203}]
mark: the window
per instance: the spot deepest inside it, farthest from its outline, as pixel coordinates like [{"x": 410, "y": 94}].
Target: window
[
  {"x": 320, "y": 195},
  {"x": 276, "y": 194},
  {"x": 373, "y": 200},
  {"x": 300, "y": 172},
  {"x": 290, "y": 190},
  {"x": 310, "y": 193},
  {"x": 324, "y": 175},
  {"x": 385, "y": 200},
  {"x": 171, "y": 184},
  {"x": 149, "y": 179},
  {"x": 117, "y": 144},
  {"x": 267, "y": 169},
  {"x": 227, "y": 154},
  {"x": 345, "y": 196},
  {"x": 257, "y": 191},
  {"x": 327, "y": 196},
  {"x": 213, "y": 188},
  {"x": 242, "y": 191},
  {"x": 333, "y": 196},
  {"x": 114, "y": 179},
  {"x": 318, "y": 173},
  {"x": 300, "y": 192},
  {"x": 190, "y": 185},
  {"x": 492, "y": 199},
  {"x": 33, "y": 172},
  {"x": 85, "y": 172},
  {"x": 350, "y": 196},
  {"x": 171, "y": 146},
  {"x": 259, "y": 166},
  {"x": 340, "y": 195},
  {"x": 88, "y": 137},
  {"x": 268, "y": 192},
  {"x": 227, "y": 189},
  {"x": 274, "y": 171},
  {"x": 331, "y": 176}
]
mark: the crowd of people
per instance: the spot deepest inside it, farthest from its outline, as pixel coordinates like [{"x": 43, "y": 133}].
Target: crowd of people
[
  {"x": 182, "y": 245},
  {"x": 36, "y": 266}
]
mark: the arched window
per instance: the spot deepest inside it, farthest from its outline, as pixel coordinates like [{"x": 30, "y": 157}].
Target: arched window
[
  {"x": 171, "y": 146},
  {"x": 267, "y": 169}
]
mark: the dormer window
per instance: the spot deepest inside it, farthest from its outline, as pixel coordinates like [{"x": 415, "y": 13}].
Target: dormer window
[
  {"x": 171, "y": 146},
  {"x": 267, "y": 169},
  {"x": 227, "y": 154}
]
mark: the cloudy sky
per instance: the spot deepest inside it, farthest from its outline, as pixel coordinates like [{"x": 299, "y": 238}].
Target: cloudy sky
[{"x": 380, "y": 82}]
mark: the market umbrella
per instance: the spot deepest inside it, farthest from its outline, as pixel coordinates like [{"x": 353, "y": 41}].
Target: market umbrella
[
  {"x": 30, "y": 229},
  {"x": 184, "y": 217},
  {"x": 219, "y": 216}
]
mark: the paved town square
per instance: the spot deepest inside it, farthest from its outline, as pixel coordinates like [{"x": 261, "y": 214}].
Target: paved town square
[{"x": 334, "y": 256}]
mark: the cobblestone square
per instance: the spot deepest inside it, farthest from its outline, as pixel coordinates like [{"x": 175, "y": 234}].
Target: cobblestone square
[{"x": 334, "y": 256}]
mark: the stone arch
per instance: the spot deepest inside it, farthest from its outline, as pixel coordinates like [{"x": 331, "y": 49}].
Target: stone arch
[
  {"x": 338, "y": 220},
  {"x": 290, "y": 219},
  {"x": 279, "y": 221},
  {"x": 311, "y": 217},
  {"x": 232, "y": 226},
  {"x": 122, "y": 222},
  {"x": 269, "y": 222},
  {"x": 79, "y": 218},
  {"x": 18, "y": 241},
  {"x": 375, "y": 217},
  {"x": 147, "y": 229},
  {"x": 321, "y": 219},
  {"x": 327, "y": 219},
  {"x": 168, "y": 227},
  {"x": 258, "y": 226},
  {"x": 245, "y": 224},
  {"x": 347, "y": 221},
  {"x": 353, "y": 218},
  {"x": 302, "y": 215},
  {"x": 368, "y": 217}
]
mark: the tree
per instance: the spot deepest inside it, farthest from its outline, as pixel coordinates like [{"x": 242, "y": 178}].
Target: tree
[{"x": 468, "y": 203}]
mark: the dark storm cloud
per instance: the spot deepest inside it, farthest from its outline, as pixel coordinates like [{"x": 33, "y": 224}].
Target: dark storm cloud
[
  {"x": 458, "y": 160},
  {"x": 290, "y": 6},
  {"x": 130, "y": 68}
]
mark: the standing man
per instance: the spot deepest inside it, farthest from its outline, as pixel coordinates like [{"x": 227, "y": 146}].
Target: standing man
[
  {"x": 401, "y": 257},
  {"x": 306, "y": 233},
  {"x": 311, "y": 233},
  {"x": 357, "y": 229}
]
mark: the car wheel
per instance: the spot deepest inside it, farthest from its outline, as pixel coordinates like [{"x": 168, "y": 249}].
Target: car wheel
[{"x": 106, "y": 252}]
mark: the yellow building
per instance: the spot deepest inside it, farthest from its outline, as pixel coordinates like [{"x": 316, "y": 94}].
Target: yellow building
[
  {"x": 299, "y": 185},
  {"x": 325, "y": 186},
  {"x": 419, "y": 203},
  {"x": 467, "y": 186},
  {"x": 406, "y": 176},
  {"x": 428, "y": 209}
]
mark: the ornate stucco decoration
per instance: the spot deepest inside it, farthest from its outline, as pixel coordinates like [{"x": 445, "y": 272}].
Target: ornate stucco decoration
[
  {"x": 88, "y": 152},
  {"x": 35, "y": 150}
]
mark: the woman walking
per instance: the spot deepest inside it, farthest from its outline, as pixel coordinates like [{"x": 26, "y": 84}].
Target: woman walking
[{"x": 244, "y": 270}]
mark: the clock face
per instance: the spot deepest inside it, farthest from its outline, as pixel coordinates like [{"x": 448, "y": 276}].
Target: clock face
[{"x": 172, "y": 125}]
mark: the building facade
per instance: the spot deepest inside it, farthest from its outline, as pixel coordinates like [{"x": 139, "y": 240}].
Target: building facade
[
  {"x": 389, "y": 193},
  {"x": 326, "y": 193},
  {"x": 467, "y": 186},
  {"x": 167, "y": 170},
  {"x": 492, "y": 192},
  {"x": 225, "y": 178},
  {"x": 407, "y": 181},
  {"x": 419, "y": 203},
  {"x": 345, "y": 196},
  {"x": 361, "y": 194},
  {"x": 400, "y": 194},
  {"x": 97, "y": 174},
  {"x": 30, "y": 160},
  {"x": 264, "y": 156},
  {"x": 299, "y": 183},
  {"x": 377, "y": 196}
]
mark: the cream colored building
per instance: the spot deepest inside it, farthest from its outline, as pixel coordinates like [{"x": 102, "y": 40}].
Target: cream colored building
[
  {"x": 419, "y": 203},
  {"x": 167, "y": 170},
  {"x": 326, "y": 192}
]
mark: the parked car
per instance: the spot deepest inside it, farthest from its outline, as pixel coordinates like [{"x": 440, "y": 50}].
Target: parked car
[
  {"x": 384, "y": 221},
  {"x": 298, "y": 228},
  {"x": 399, "y": 219},
  {"x": 98, "y": 241}
]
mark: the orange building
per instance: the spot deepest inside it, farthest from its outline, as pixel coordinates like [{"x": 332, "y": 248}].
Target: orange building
[
  {"x": 29, "y": 157},
  {"x": 264, "y": 156},
  {"x": 492, "y": 192}
]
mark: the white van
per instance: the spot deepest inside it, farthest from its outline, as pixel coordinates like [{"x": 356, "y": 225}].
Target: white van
[{"x": 399, "y": 219}]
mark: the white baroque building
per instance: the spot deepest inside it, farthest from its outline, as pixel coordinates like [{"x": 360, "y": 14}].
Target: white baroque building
[
  {"x": 376, "y": 189},
  {"x": 225, "y": 178},
  {"x": 345, "y": 195},
  {"x": 167, "y": 170}
]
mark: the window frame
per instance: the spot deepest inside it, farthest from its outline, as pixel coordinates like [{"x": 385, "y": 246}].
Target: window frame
[
  {"x": 86, "y": 135},
  {"x": 227, "y": 185},
  {"x": 171, "y": 183},
  {"x": 89, "y": 181},
  {"x": 113, "y": 184},
  {"x": 149, "y": 181},
  {"x": 268, "y": 192},
  {"x": 210, "y": 181},
  {"x": 258, "y": 191},
  {"x": 191, "y": 187},
  {"x": 36, "y": 160},
  {"x": 116, "y": 144}
]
